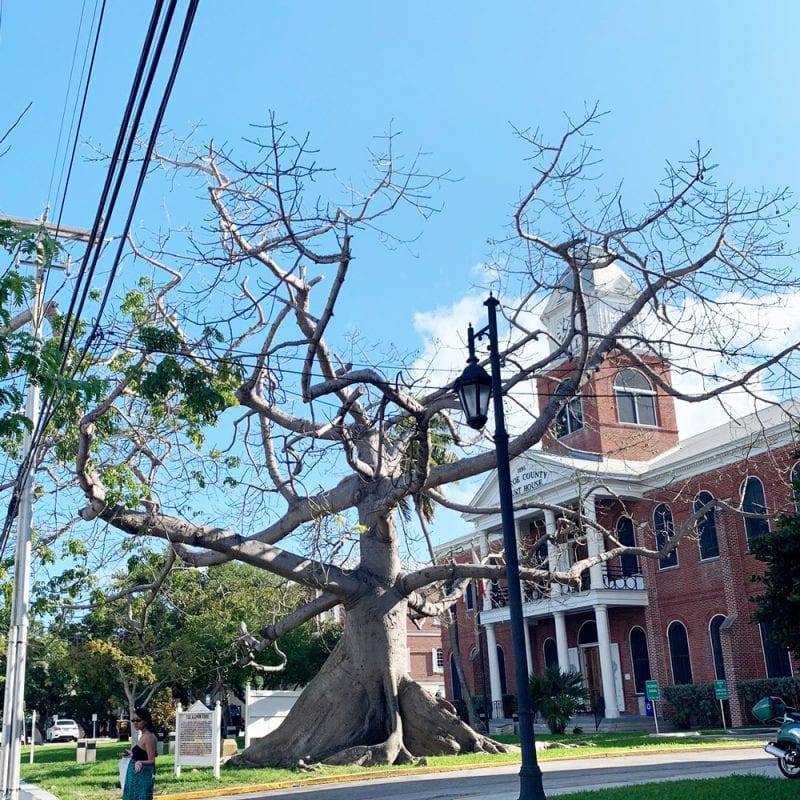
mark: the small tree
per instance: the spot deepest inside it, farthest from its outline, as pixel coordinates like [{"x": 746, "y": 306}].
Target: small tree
[
  {"x": 779, "y": 604},
  {"x": 556, "y": 696}
]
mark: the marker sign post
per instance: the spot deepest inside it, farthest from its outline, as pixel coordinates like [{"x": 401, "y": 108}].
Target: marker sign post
[
  {"x": 198, "y": 737},
  {"x": 653, "y": 695},
  {"x": 721, "y": 693}
]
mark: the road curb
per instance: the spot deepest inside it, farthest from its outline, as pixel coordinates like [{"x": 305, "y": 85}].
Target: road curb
[{"x": 200, "y": 794}]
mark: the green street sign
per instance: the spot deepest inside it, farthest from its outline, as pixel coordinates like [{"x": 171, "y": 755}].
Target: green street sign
[
  {"x": 721, "y": 690},
  {"x": 652, "y": 691}
]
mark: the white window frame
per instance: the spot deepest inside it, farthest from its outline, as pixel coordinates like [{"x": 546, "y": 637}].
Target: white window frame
[{"x": 635, "y": 393}]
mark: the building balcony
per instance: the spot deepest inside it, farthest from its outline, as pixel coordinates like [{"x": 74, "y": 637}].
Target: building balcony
[{"x": 616, "y": 589}]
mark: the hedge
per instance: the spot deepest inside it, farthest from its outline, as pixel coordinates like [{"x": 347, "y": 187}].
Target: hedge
[
  {"x": 751, "y": 691},
  {"x": 693, "y": 706}
]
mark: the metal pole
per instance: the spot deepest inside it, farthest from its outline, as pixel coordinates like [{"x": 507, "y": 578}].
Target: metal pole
[
  {"x": 18, "y": 630},
  {"x": 655, "y": 715},
  {"x": 530, "y": 775},
  {"x": 33, "y": 734}
]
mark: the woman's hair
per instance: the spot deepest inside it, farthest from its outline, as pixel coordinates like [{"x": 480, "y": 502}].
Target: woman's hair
[{"x": 145, "y": 716}]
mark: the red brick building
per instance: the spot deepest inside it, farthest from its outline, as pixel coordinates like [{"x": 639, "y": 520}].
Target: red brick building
[
  {"x": 425, "y": 654},
  {"x": 615, "y": 458}
]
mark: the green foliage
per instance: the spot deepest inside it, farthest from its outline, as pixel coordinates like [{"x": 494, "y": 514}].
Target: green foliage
[
  {"x": 50, "y": 673},
  {"x": 135, "y": 306},
  {"x": 162, "y": 708},
  {"x": 185, "y": 641},
  {"x": 176, "y": 387},
  {"x": 693, "y": 705},
  {"x": 779, "y": 604},
  {"x": 556, "y": 696},
  {"x": 30, "y": 244},
  {"x": 214, "y": 603},
  {"x": 20, "y": 355},
  {"x": 156, "y": 340},
  {"x": 123, "y": 487},
  {"x": 440, "y": 444},
  {"x": 751, "y": 691}
]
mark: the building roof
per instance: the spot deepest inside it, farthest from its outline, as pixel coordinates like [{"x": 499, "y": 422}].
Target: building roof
[{"x": 554, "y": 478}]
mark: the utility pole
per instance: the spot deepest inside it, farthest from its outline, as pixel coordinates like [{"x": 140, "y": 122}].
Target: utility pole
[{"x": 14, "y": 698}]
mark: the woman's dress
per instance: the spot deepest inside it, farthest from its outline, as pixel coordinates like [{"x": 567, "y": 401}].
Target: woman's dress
[{"x": 139, "y": 785}]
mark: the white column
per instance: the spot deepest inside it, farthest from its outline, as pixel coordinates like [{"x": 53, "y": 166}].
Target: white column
[
  {"x": 553, "y": 552},
  {"x": 528, "y": 659},
  {"x": 494, "y": 672},
  {"x": 528, "y": 654},
  {"x": 594, "y": 543},
  {"x": 484, "y": 551},
  {"x": 561, "y": 641},
  {"x": 606, "y": 665}
]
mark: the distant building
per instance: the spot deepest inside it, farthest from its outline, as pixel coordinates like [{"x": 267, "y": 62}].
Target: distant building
[
  {"x": 614, "y": 456},
  {"x": 426, "y": 655}
]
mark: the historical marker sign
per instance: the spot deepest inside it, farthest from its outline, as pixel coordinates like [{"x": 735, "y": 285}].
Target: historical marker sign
[
  {"x": 652, "y": 690},
  {"x": 197, "y": 737}
]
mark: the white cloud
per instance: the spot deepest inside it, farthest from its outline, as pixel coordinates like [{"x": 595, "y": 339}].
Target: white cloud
[
  {"x": 756, "y": 328},
  {"x": 444, "y": 332}
]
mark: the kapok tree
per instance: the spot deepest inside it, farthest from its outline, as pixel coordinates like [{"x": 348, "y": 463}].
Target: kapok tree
[{"x": 232, "y": 395}]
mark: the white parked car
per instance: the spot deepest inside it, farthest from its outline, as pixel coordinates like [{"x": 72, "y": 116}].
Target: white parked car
[{"x": 63, "y": 729}]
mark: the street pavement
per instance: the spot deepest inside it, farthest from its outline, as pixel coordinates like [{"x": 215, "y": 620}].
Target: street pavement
[{"x": 559, "y": 777}]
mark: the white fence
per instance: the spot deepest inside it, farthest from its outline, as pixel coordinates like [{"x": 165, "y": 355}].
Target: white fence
[{"x": 265, "y": 710}]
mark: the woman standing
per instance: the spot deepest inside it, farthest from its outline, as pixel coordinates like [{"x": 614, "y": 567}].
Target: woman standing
[{"x": 142, "y": 767}]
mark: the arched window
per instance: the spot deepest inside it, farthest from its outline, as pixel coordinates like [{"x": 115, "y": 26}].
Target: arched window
[
  {"x": 716, "y": 646},
  {"x": 640, "y": 659},
  {"x": 679, "y": 653},
  {"x": 776, "y": 657},
  {"x": 468, "y": 597},
  {"x": 706, "y": 526},
  {"x": 454, "y": 681},
  {"x": 501, "y": 663},
  {"x": 550, "y": 652},
  {"x": 588, "y": 633},
  {"x": 570, "y": 418},
  {"x": 664, "y": 527},
  {"x": 754, "y": 502},
  {"x": 636, "y": 400},
  {"x": 625, "y": 536},
  {"x": 795, "y": 478}
]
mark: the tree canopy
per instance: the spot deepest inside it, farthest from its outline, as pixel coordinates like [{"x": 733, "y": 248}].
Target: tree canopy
[{"x": 779, "y": 603}]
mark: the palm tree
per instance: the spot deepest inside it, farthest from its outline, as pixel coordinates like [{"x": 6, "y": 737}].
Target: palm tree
[{"x": 556, "y": 695}]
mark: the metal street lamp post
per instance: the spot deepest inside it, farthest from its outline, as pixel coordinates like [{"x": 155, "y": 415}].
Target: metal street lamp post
[{"x": 474, "y": 388}]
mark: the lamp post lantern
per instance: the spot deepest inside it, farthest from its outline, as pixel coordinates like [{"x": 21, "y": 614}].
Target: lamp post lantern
[{"x": 474, "y": 388}]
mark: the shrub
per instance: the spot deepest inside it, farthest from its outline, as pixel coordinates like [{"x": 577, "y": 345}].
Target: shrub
[
  {"x": 693, "y": 705},
  {"x": 555, "y": 695},
  {"x": 751, "y": 691}
]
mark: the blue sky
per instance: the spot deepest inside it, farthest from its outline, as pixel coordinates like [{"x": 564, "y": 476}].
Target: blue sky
[{"x": 453, "y": 77}]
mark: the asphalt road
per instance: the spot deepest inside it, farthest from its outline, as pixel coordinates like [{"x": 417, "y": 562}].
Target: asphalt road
[{"x": 559, "y": 777}]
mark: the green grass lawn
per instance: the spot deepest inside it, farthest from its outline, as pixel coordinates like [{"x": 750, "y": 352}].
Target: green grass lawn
[
  {"x": 745, "y": 787},
  {"x": 56, "y": 770}
]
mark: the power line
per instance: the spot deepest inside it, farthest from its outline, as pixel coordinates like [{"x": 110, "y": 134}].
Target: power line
[
  {"x": 125, "y": 140},
  {"x": 67, "y": 93},
  {"x": 385, "y": 368}
]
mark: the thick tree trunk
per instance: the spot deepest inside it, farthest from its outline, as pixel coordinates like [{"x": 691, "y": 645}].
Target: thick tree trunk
[{"x": 362, "y": 708}]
